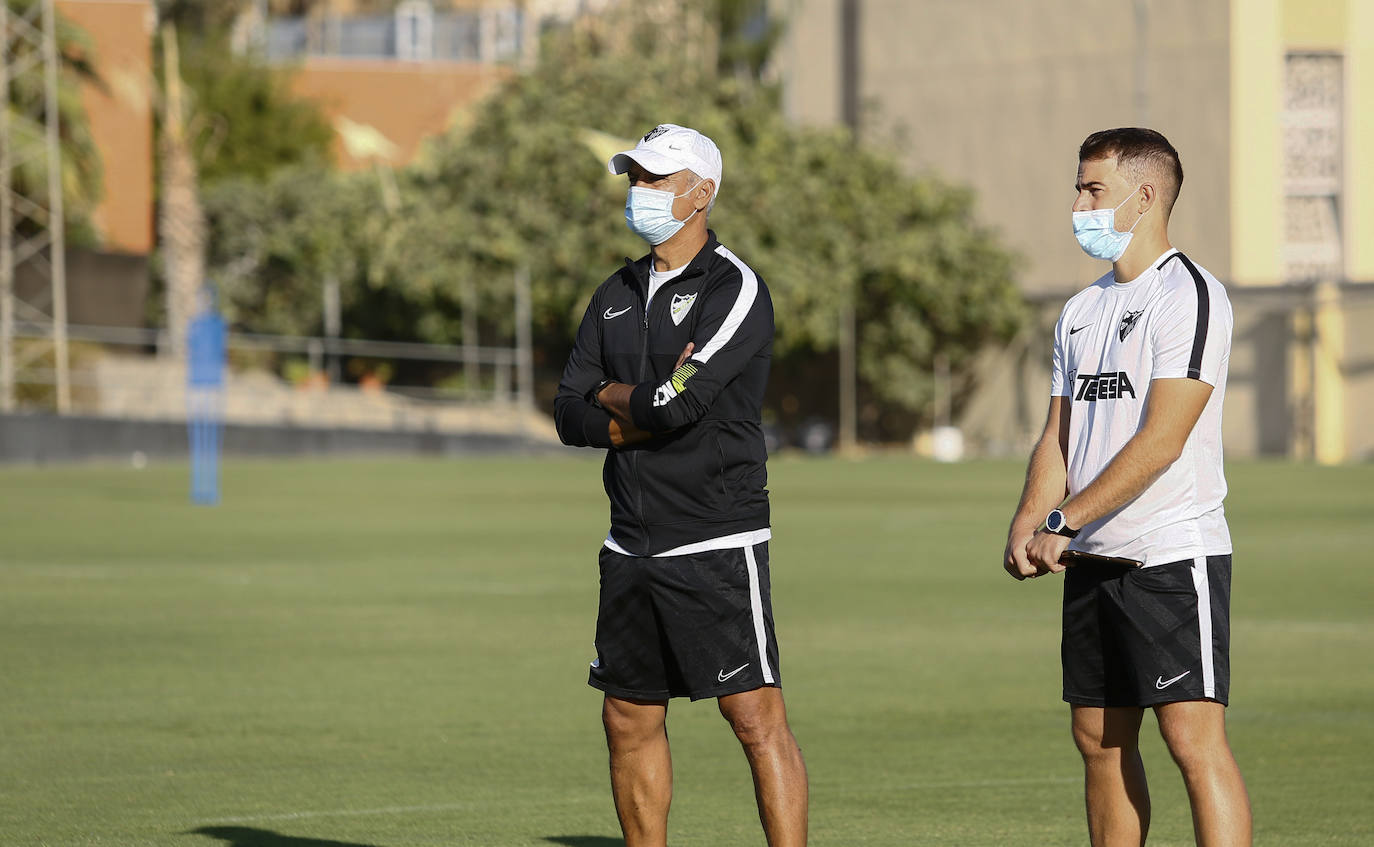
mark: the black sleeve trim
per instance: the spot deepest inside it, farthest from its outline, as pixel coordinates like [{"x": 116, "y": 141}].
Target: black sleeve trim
[
  {"x": 642, "y": 406},
  {"x": 596, "y": 428},
  {"x": 1203, "y": 309}
]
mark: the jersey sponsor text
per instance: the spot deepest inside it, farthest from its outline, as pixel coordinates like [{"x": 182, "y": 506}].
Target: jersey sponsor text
[{"x": 1107, "y": 386}]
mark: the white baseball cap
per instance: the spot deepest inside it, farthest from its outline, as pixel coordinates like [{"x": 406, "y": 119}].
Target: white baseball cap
[{"x": 669, "y": 148}]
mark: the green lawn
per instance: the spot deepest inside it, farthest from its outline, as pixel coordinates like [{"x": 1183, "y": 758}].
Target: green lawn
[{"x": 392, "y": 653}]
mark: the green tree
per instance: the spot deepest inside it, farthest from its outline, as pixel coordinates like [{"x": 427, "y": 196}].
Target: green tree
[
  {"x": 249, "y": 122},
  {"x": 81, "y": 166},
  {"x": 522, "y": 182}
]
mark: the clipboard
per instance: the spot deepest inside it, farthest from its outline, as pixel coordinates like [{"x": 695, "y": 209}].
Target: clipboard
[{"x": 1069, "y": 558}]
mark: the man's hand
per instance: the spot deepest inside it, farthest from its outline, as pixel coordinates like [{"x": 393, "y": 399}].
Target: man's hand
[
  {"x": 686, "y": 353},
  {"x": 1044, "y": 551},
  {"x": 623, "y": 434},
  {"x": 1014, "y": 557},
  {"x": 615, "y": 398}
]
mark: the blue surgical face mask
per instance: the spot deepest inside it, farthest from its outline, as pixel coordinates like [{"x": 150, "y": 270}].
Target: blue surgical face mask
[
  {"x": 649, "y": 213},
  {"x": 1097, "y": 235}
]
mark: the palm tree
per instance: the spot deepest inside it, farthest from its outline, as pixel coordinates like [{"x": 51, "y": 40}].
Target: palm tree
[{"x": 81, "y": 168}]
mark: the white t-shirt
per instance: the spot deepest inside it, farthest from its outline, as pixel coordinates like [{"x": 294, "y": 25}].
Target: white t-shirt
[
  {"x": 1111, "y": 341},
  {"x": 658, "y": 279}
]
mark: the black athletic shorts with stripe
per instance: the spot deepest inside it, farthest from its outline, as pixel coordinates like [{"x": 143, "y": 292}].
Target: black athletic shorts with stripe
[
  {"x": 696, "y": 626},
  {"x": 1147, "y": 636}
]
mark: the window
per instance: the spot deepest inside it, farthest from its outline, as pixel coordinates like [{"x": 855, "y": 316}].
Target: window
[{"x": 1313, "y": 100}]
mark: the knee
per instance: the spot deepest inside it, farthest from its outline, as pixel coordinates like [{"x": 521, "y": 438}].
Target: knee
[
  {"x": 1099, "y": 747},
  {"x": 1090, "y": 745},
  {"x": 630, "y": 724},
  {"x": 1194, "y": 751},
  {"x": 1195, "y": 733},
  {"x": 756, "y": 728}
]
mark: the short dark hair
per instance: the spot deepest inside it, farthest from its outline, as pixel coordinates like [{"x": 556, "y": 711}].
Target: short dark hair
[{"x": 1139, "y": 152}]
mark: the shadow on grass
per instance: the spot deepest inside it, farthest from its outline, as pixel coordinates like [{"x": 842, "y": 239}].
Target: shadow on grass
[
  {"x": 245, "y": 836},
  {"x": 585, "y": 841}
]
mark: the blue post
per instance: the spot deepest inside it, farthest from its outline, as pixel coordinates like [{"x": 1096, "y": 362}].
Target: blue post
[{"x": 205, "y": 365}]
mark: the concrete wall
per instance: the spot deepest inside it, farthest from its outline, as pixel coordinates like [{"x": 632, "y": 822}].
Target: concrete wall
[
  {"x": 103, "y": 288},
  {"x": 998, "y": 94}
]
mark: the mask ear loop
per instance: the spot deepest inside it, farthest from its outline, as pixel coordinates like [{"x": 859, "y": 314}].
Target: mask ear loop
[
  {"x": 699, "y": 181},
  {"x": 1124, "y": 202}
]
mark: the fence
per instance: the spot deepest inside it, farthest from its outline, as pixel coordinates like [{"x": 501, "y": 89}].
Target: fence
[{"x": 413, "y": 33}]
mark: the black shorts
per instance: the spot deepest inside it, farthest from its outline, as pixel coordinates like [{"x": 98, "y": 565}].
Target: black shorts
[
  {"x": 1147, "y": 636},
  {"x": 685, "y": 626}
]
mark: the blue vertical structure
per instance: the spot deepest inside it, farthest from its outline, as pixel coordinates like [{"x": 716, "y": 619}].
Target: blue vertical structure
[{"x": 205, "y": 366}]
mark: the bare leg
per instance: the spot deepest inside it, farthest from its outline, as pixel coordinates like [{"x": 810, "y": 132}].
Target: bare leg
[
  {"x": 641, "y": 768},
  {"x": 1195, "y": 732},
  {"x": 759, "y": 720},
  {"x": 1118, "y": 798}
]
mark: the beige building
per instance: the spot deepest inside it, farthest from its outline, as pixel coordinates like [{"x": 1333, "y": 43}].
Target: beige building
[{"x": 1271, "y": 105}]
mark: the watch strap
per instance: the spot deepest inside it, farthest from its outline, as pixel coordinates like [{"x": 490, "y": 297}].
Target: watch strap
[{"x": 595, "y": 396}]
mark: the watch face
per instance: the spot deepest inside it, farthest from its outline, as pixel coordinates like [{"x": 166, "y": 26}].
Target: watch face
[{"x": 1055, "y": 521}]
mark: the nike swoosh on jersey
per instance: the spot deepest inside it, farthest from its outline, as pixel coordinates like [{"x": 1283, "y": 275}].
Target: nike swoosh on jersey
[
  {"x": 609, "y": 314},
  {"x": 1078, "y": 329}
]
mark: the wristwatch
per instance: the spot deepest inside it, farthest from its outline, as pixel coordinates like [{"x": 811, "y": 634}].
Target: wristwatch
[
  {"x": 593, "y": 398},
  {"x": 1056, "y": 524}
]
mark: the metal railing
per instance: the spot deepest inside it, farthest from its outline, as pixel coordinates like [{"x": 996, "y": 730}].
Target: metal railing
[
  {"x": 511, "y": 367},
  {"x": 491, "y": 34}
]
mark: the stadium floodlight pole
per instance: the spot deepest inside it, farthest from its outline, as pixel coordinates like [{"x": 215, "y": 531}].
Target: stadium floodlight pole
[
  {"x": 6, "y": 224},
  {"x": 57, "y": 241}
]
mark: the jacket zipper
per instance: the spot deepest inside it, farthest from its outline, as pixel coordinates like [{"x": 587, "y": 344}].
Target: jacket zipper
[
  {"x": 643, "y": 374},
  {"x": 634, "y": 454}
]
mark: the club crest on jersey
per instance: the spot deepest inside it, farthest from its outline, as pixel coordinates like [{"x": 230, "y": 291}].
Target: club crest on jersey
[
  {"x": 1128, "y": 322},
  {"x": 681, "y": 305},
  {"x": 1107, "y": 386}
]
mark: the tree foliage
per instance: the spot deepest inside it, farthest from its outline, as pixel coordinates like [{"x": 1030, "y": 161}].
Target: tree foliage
[
  {"x": 244, "y": 117},
  {"x": 522, "y": 182},
  {"x": 81, "y": 165}
]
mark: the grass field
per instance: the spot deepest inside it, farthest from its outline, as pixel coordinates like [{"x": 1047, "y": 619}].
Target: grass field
[{"x": 392, "y": 653}]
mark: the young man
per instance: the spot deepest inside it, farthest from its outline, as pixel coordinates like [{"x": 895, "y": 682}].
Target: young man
[
  {"x": 668, "y": 371},
  {"x": 1130, "y": 466}
]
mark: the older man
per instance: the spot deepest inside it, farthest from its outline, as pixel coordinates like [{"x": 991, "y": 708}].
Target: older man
[{"x": 668, "y": 372}]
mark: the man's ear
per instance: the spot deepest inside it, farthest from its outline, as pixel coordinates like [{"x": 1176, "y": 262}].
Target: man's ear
[
  {"x": 705, "y": 191},
  {"x": 1148, "y": 196}
]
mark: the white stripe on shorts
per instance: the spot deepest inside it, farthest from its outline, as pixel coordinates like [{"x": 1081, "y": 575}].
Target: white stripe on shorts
[
  {"x": 756, "y": 604},
  {"x": 1204, "y": 625}
]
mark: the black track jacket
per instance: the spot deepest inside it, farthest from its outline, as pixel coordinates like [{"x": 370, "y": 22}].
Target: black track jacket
[{"x": 702, "y": 475}]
